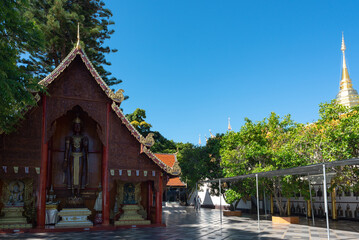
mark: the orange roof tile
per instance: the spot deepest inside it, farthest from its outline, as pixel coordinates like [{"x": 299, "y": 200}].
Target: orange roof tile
[
  {"x": 175, "y": 182},
  {"x": 168, "y": 159}
]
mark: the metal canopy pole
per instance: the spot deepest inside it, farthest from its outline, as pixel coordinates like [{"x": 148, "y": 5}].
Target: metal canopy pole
[
  {"x": 257, "y": 201},
  {"x": 220, "y": 200},
  {"x": 264, "y": 203},
  {"x": 326, "y": 200},
  {"x": 311, "y": 202}
]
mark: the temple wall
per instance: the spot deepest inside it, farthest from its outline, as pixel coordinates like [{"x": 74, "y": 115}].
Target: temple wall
[
  {"x": 22, "y": 148},
  {"x": 124, "y": 154}
]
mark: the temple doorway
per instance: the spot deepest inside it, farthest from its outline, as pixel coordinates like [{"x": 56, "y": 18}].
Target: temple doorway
[{"x": 81, "y": 180}]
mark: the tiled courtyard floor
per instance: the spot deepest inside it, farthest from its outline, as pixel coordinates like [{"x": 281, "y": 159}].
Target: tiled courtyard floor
[{"x": 184, "y": 223}]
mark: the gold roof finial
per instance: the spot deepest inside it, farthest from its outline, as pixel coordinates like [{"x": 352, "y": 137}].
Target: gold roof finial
[
  {"x": 345, "y": 73},
  {"x": 343, "y": 44},
  {"x": 343, "y": 51},
  {"x": 229, "y": 124},
  {"x": 78, "y": 36},
  {"x": 210, "y": 133},
  {"x": 199, "y": 140}
]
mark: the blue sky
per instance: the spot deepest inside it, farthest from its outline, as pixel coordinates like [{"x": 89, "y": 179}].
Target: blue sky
[{"x": 193, "y": 64}]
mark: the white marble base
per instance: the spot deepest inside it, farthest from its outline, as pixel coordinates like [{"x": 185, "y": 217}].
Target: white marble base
[{"x": 74, "y": 217}]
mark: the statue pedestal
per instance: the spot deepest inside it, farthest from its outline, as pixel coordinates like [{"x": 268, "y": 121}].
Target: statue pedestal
[
  {"x": 13, "y": 218},
  {"x": 51, "y": 216},
  {"x": 131, "y": 217},
  {"x": 74, "y": 217}
]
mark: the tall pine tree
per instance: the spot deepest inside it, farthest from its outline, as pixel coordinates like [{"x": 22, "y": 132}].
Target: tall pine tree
[
  {"x": 58, "y": 21},
  {"x": 19, "y": 36}
]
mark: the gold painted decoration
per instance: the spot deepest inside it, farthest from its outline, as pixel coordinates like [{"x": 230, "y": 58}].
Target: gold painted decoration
[
  {"x": 117, "y": 97},
  {"x": 175, "y": 170},
  {"x": 138, "y": 192},
  {"x": 19, "y": 201},
  {"x": 119, "y": 196},
  {"x": 148, "y": 141}
]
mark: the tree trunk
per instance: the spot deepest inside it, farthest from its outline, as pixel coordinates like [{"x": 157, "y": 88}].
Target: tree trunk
[{"x": 278, "y": 197}]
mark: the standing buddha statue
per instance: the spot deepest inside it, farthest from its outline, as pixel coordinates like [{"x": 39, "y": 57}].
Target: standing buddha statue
[{"x": 75, "y": 163}]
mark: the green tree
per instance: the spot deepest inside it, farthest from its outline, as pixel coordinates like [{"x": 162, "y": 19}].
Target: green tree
[
  {"x": 200, "y": 163},
  {"x": 137, "y": 119},
  {"x": 19, "y": 36},
  {"x": 333, "y": 137},
  {"x": 162, "y": 144},
  {"x": 276, "y": 143},
  {"x": 58, "y": 19},
  {"x": 258, "y": 147}
]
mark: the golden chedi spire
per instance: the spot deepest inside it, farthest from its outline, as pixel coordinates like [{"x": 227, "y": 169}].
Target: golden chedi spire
[
  {"x": 229, "y": 124},
  {"x": 199, "y": 140},
  {"x": 347, "y": 95}
]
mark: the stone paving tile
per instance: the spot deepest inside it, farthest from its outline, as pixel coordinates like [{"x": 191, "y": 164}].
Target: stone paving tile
[{"x": 184, "y": 223}]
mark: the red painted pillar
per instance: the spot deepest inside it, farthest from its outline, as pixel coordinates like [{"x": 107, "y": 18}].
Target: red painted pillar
[
  {"x": 49, "y": 166},
  {"x": 41, "y": 201},
  {"x": 159, "y": 200},
  {"x": 150, "y": 199},
  {"x": 105, "y": 180}
]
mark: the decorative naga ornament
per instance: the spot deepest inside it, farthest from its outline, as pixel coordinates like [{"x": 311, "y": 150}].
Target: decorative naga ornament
[
  {"x": 347, "y": 95},
  {"x": 148, "y": 141},
  {"x": 176, "y": 169},
  {"x": 118, "y": 96}
]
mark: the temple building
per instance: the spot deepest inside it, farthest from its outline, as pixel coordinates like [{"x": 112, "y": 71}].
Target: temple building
[
  {"x": 176, "y": 190},
  {"x": 75, "y": 161},
  {"x": 347, "y": 95}
]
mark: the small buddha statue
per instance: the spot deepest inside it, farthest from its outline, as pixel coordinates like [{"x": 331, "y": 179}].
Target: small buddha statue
[
  {"x": 16, "y": 196},
  {"x": 129, "y": 194}
]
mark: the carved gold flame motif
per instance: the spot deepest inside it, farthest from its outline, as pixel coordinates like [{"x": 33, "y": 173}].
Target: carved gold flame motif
[{"x": 118, "y": 96}]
